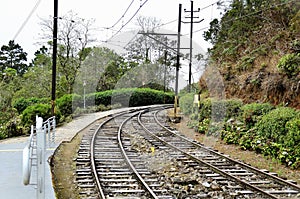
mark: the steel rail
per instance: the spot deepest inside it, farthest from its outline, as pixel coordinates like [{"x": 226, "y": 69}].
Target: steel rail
[
  {"x": 92, "y": 152},
  {"x": 278, "y": 179},
  {"x": 214, "y": 168},
  {"x": 92, "y": 149},
  {"x": 93, "y": 164},
  {"x": 132, "y": 167}
]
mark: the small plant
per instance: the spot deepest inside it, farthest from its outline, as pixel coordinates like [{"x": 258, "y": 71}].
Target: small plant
[
  {"x": 252, "y": 113},
  {"x": 290, "y": 64},
  {"x": 272, "y": 125},
  {"x": 186, "y": 103}
]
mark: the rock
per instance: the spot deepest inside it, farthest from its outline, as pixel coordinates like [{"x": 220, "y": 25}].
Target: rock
[{"x": 206, "y": 184}]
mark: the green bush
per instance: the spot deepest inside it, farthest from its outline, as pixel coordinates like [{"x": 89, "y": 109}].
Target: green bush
[
  {"x": 293, "y": 132},
  {"x": 252, "y": 113},
  {"x": 22, "y": 103},
  {"x": 131, "y": 97},
  {"x": 233, "y": 131},
  {"x": 186, "y": 103},
  {"x": 101, "y": 98},
  {"x": 222, "y": 110},
  {"x": 67, "y": 103},
  {"x": 28, "y": 117},
  {"x": 272, "y": 125},
  {"x": 290, "y": 64}
]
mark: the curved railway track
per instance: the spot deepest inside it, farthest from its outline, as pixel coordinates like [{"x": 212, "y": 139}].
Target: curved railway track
[{"x": 137, "y": 155}]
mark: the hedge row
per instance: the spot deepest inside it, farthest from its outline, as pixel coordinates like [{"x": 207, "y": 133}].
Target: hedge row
[
  {"x": 130, "y": 97},
  {"x": 69, "y": 104},
  {"x": 271, "y": 131}
]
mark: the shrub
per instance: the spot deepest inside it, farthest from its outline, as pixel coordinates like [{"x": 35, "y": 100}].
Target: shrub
[
  {"x": 67, "y": 103},
  {"x": 28, "y": 117},
  {"x": 290, "y": 64},
  {"x": 233, "y": 131},
  {"x": 101, "y": 98},
  {"x": 22, "y": 103},
  {"x": 131, "y": 97},
  {"x": 252, "y": 113},
  {"x": 186, "y": 103},
  {"x": 219, "y": 110},
  {"x": 272, "y": 125},
  {"x": 293, "y": 132}
]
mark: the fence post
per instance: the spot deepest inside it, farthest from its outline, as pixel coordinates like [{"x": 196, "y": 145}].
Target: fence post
[
  {"x": 53, "y": 129},
  {"x": 41, "y": 145}
]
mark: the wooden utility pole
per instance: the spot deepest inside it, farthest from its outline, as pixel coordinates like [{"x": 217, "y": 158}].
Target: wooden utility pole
[
  {"x": 191, "y": 40},
  {"x": 54, "y": 57},
  {"x": 177, "y": 60}
]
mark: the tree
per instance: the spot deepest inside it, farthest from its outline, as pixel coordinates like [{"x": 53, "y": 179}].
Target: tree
[
  {"x": 100, "y": 70},
  {"x": 38, "y": 74},
  {"x": 74, "y": 35},
  {"x": 146, "y": 51},
  {"x": 13, "y": 56},
  {"x": 142, "y": 49}
]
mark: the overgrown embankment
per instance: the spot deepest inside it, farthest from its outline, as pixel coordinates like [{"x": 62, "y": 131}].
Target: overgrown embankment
[
  {"x": 256, "y": 49},
  {"x": 273, "y": 131}
]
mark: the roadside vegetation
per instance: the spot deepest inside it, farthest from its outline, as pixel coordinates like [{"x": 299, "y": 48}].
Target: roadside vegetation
[
  {"x": 273, "y": 131},
  {"x": 89, "y": 78},
  {"x": 254, "y": 102}
]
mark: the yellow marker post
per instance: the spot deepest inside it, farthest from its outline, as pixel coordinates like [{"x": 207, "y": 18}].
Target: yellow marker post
[{"x": 152, "y": 150}]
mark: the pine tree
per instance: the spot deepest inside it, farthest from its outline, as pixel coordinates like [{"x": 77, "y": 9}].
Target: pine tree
[{"x": 13, "y": 56}]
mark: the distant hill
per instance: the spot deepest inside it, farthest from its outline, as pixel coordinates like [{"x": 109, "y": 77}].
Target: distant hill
[{"x": 257, "y": 51}]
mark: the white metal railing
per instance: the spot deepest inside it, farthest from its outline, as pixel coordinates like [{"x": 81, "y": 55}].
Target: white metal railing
[{"x": 34, "y": 152}]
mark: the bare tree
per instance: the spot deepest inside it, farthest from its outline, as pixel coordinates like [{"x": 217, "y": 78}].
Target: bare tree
[{"x": 74, "y": 35}]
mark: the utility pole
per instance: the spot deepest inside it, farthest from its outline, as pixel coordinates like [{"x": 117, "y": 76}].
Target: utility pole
[
  {"x": 165, "y": 69},
  {"x": 177, "y": 61},
  {"x": 191, "y": 40},
  {"x": 54, "y": 57}
]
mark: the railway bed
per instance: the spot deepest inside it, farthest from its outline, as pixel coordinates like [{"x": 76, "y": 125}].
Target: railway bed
[{"x": 136, "y": 154}]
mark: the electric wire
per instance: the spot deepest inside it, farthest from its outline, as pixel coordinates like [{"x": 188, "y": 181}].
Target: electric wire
[
  {"x": 128, "y": 20},
  {"x": 27, "y": 19},
  {"x": 244, "y": 16},
  {"x": 123, "y": 15}
]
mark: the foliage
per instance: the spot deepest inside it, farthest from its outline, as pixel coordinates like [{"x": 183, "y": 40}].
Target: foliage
[
  {"x": 67, "y": 103},
  {"x": 290, "y": 64},
  {"x": 12, "y": 56},
  {"x": 186, "y": 103},
  {"x": 271, "y": 131},
  {"x": 75, "y": 35},
  {"x": 129, "y": 97},
  {"x": 233, "y": 131},
  {"x": 252, "y": 113},
  {"x": 293, "y": 132},
  {"x": 219, "y": 110},
  {"x": 22, "y": 103},
  {"x": 42, "y": 110},
  {"x": 272, "y": 125}
]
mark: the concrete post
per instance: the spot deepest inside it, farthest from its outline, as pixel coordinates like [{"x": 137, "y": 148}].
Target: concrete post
[{"x": 41, "y": 146}]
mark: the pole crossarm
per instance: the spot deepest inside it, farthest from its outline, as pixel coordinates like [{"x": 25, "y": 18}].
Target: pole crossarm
[
  {"x": 193, "y": 21},
  {"x": 154, "y": 33},
  {"x": 165, "y": 45}
]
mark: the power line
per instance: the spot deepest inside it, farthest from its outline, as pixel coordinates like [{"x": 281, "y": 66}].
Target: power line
[
  {"x": 123, "y": 15},
  {"x": 167, "y": 23},
  {"x": 250, "y": 14},
  {"x": 27, "y": 19},
  {"x": 128, "y": 20}
]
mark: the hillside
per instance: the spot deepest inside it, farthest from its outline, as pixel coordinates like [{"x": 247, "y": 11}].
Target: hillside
[{"x": 257, "y": 51}]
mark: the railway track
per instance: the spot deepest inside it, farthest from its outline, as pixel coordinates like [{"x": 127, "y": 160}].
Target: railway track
[{"x": 137, "y": 155}]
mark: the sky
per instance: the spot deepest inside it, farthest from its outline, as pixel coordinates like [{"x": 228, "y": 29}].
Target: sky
[{"x": 14, "y": 14}]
